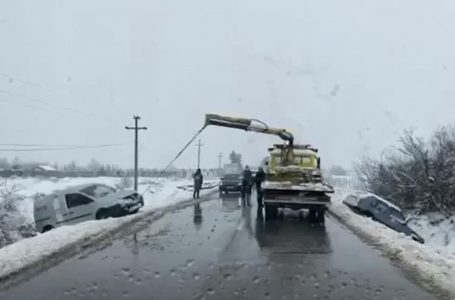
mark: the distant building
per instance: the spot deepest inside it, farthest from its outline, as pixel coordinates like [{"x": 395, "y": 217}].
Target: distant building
[{"x": 45, "y": 170}]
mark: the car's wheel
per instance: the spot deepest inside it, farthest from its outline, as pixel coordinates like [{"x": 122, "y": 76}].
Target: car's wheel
[
  {"x": 102, "y": 214},
  {"x": 271, "y": 212},
  {"x": 47, "y": 228},
  {"x": 134, "y": 211}
]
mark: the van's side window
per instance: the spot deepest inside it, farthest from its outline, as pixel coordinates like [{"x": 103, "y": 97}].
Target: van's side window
[{"x": 73, "y": 200}]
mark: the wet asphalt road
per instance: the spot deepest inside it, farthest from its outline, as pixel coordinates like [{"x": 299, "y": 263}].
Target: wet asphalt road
[{"x": 218, "y": 250}]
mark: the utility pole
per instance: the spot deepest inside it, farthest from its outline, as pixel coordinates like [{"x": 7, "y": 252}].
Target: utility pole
[
  {"x": 220, "y": 157},
  {"x": 199, "y": 145},
  {"x": 136, "y": 130}
]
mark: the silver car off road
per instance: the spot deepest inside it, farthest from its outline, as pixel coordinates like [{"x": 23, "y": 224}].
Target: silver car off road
[{"x": 82, "y": 203}]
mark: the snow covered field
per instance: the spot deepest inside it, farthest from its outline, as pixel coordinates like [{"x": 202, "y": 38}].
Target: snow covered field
[
  {"x": 26, "y": 252},
  {"x": 432, "y": 261}
]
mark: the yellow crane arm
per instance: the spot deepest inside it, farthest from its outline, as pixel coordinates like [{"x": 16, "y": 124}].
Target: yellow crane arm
[{"x": 247, "y": 125}]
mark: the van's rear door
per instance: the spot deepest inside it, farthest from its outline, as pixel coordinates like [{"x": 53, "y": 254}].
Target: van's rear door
[{"x": 59, "y": 208}]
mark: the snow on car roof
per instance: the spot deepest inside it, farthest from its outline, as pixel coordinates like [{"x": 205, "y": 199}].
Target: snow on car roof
[
  {"x": 388, "y": 203},
  {"x": 72, "y": 189},
  {"x": 47, "y": 168}
]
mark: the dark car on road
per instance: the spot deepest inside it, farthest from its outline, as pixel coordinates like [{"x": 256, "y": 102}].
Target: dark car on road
[
  {"x": 382, "y": 211},
  {"x": 231, "y": 183}
]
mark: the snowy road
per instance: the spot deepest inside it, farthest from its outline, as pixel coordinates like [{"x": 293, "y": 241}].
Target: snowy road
[{"x": 222, "y": 251}]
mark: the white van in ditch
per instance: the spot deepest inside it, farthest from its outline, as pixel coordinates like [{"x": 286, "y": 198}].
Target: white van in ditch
[{"x": 82, "y": 203}]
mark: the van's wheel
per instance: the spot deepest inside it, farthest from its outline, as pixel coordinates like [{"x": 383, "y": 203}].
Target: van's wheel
[
  {"x": 47, "y": 228},
  {"x": 102, "y": 214},
  {"x": 271, "y": 212}
]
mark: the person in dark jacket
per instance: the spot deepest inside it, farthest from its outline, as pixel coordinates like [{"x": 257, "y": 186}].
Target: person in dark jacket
[
  {"x": 246, "y": 185},
  {"x": 259, "y": 179},
  {"x": 198, "y": 180}
]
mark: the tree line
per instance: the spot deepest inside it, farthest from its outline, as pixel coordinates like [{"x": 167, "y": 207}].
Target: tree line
[{"x": 418, "y": 174}]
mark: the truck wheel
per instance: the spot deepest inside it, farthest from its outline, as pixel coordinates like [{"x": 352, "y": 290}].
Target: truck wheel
[
  {"x": 102, "y": 214},
  {"x": 312, "y": 214},
  {"x": 320, "y": 215},
  {"x": 271, "y": 212}
]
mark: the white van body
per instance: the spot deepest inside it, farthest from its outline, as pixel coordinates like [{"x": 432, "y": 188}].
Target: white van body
[{"x": 81, "y": 203}]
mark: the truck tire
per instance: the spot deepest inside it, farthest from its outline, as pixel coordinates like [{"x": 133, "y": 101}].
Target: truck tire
[
  {"x": 317, "y": 215},
  {"x": 271, "y": 212},
  {"x": 312, "y": 214},
  {"x": 321, "y": 215}
]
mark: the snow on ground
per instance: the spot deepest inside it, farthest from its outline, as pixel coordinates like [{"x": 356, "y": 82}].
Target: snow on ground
[
  {"x": 437, "y": 230},
  {"x": 28, "y": 252},
  {"x": 435, "y": 264}
]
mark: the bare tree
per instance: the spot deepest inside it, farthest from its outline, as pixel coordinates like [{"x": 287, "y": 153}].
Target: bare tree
[{"x": 418, "y": 174}]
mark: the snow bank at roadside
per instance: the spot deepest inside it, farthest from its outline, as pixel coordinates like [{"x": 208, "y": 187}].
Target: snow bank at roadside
[
  {"x": 434, "y": 264},
  {"x": 27, "y": 252},
  {"x": 437, "y": 230}
]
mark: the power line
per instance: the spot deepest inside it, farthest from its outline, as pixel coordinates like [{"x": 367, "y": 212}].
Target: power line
[
  {"x": 175, "y": 158},
  {"x": 23, "y": 104},
  {"x": 55, "y": 106},
  {"x": 13, "y": 79},
  {"x": 53, "y": 145},
  {"x": 60, "y": 149}
]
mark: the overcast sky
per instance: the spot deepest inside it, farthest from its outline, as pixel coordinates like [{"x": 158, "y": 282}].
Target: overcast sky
[{"x": 346, "y": 76}]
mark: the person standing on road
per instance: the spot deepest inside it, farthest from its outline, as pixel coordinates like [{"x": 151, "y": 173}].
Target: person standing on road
[
  {"x": 246, "y": 185},
  {"x": 259, "y": 179},
  {"x": 198, "y": 180}
]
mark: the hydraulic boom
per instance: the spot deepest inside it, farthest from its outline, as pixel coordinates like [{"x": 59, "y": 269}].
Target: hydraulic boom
[{"x": 248, "y": 125}]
